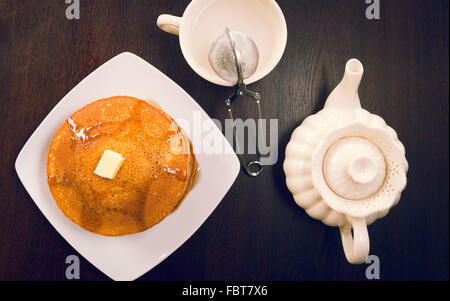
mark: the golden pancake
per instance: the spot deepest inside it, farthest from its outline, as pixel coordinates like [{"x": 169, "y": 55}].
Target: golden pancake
[{"x": 156, "y": 175}]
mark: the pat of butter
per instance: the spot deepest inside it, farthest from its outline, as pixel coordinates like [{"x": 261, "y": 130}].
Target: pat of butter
[{"x": 109, "y": 164}]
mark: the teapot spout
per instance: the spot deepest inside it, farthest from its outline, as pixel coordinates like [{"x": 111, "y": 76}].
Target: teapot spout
[{"x": 345, "y": 95}]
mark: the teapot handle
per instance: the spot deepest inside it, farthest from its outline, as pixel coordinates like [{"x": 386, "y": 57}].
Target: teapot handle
[{"x": 356, "y": 247}]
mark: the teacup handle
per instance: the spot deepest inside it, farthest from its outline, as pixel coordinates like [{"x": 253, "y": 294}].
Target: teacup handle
[
  {"x": 356, "y": 247},
  {"x": 169, "y": 23}
]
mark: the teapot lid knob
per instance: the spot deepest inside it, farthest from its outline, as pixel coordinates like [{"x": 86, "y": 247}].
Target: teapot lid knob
[{"x": 362, "y": 169}]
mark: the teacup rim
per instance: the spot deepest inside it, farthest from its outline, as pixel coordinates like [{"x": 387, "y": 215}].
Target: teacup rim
[{"x": 216, "y": 79}]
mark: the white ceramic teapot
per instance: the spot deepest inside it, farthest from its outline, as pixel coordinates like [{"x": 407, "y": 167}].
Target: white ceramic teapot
[{"x": 345, "y": 166}]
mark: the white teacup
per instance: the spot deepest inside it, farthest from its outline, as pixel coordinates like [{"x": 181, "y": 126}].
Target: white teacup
[{"x": 204, "y": 21}]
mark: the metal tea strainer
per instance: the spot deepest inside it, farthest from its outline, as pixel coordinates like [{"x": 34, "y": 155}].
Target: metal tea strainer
[{"x": 234, "y": 57}]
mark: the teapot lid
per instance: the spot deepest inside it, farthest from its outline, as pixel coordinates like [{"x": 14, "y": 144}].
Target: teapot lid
[
  {"x": 354, "y": 168},
  {"x": 359, "y": 168}
]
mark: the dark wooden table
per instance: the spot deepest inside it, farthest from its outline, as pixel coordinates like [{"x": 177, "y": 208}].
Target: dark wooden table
[{"x": 257, "y": 232}]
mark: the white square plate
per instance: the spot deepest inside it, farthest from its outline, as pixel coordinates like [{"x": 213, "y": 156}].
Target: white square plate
[{"x": 130, "y": 256}]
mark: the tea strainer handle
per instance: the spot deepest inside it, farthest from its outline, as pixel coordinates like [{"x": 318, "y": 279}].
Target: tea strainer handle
[{"x": 252, "y": 168}]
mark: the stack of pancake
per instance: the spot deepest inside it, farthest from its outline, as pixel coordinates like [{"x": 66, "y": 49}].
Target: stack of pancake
[{"x": 156, "y": 175}]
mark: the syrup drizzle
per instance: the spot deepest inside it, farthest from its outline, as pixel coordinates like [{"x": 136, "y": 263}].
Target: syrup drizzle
[
  {"x": 178, "y": 173},
  {"x": 83, "y": 134}
]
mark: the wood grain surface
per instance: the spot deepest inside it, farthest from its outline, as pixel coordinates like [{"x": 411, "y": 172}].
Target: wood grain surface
[{"x": 257, "y": 232}]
